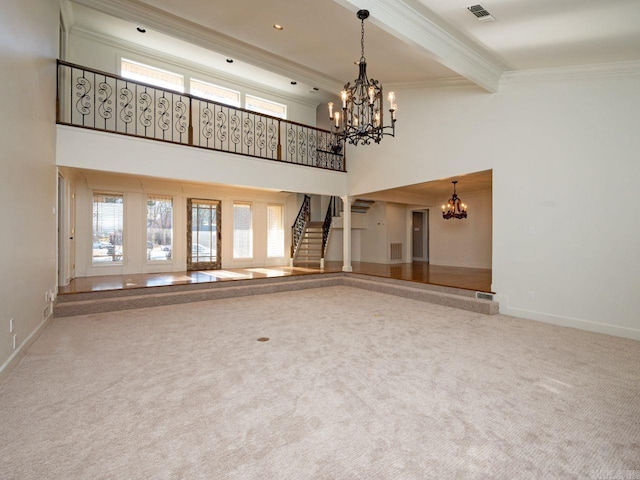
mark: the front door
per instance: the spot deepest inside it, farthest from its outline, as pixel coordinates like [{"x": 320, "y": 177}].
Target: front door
[{"x": 203, "y": 234}]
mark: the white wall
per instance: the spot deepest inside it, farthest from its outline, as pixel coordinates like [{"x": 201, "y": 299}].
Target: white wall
[
  {"x": 104, "y": 54},
  {"x": 135, "y": 191},
  {"x": 564, "y": 154},
  {"x": 465, "y": 242},
  {"x": 28, "y": 49},
  {"x": 103, "y": 151}
]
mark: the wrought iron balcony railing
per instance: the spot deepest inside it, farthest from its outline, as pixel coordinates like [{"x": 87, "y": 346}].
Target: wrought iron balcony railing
[{"x": 102, "y": 101}]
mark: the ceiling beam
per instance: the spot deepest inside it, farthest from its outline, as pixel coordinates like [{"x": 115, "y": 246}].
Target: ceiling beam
[{"x": 413, "y": 23}]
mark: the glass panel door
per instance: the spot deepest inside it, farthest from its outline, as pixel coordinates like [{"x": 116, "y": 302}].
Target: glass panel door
[{"x": 203, "y": 234}]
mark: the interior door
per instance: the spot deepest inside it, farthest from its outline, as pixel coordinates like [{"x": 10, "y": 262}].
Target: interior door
[
  {"x": 203, "y": 234},
  {"x": 418, "y": 236}
]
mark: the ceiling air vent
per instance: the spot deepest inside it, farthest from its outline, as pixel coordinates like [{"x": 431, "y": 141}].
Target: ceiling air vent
[{"x": 481, "y": 13}]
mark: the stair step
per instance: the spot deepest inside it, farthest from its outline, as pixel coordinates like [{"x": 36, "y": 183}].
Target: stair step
[{"x": 114, "y": 300}]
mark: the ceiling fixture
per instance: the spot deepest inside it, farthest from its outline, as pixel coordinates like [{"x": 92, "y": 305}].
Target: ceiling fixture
[
  {"x": 278, "y": 27},
  {"x": 454, "y": 208},
  {"x": 481, "y": 13},
  {"x": 362, "y": 118}
]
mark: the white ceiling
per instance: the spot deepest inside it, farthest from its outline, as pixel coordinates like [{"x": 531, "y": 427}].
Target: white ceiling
[{"x": 406, "y": 41}]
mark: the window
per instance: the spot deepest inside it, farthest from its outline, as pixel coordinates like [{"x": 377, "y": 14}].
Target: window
[
  {"x": 267, "y": 107},
  {"x": 275, "y": 230},
  {"x": 151, "y": 75},
  {"x": 215, "y": 93},
  {"x": 242, "y": 231},
  {"x": 108, "y": 218},
  {"x": 159, "y": 227}
]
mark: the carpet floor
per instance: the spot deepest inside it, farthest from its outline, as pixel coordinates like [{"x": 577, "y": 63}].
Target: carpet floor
[{"x": 352, "y": 384}]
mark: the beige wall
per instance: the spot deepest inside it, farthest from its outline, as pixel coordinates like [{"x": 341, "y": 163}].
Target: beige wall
[
  {"x": 28, "y": 49},
  {"x": 462, "y": 243}
]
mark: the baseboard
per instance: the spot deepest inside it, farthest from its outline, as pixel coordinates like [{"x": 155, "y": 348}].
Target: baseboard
[
  {"x": 580, "y": 324},
  {"x": 20, "y": 352}
]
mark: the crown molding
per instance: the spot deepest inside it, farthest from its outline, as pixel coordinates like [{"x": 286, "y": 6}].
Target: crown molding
[
  {"x": 182, "y": 63},
  {"x": 618, "y": 69},
  {"x": 414, "y": 24},
  {"x": 161, "y": 21},
  {"x": 66, "y": 13},
  {"x": 434, "y": 83}
]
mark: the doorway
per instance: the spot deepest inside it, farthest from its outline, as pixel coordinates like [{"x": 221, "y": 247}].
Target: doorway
[
  {"x": 203, "y": 234},
  {"x": 420, "y": 235}
]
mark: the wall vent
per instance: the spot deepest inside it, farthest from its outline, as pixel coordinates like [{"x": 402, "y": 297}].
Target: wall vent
[
  {"x": 396, "y": 251},
  {"x": 481, "y": 13},
  {"x": 484, "y": 296}
]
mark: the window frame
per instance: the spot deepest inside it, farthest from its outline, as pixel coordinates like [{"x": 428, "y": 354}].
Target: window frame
[
  {"x": 216, "y": 100},
  {"x": 148, "y": 197},
  {"x": 264, "y": 111},
  {"x": 282, "y": 216},
  {"x": 151, "y": 81},
  {"x": 251, "y": 246},
  {"x": 121, "y": 261}
]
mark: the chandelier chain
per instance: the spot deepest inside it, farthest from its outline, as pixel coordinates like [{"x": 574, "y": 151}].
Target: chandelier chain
[{"x": 362, "y": 39}]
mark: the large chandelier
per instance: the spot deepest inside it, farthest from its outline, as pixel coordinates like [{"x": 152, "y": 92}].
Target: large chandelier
[
  {"x": 454, "y": 208},
  {"x": 362, "y": 118}
]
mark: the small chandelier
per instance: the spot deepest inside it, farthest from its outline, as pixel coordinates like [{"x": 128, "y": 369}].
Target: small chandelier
[
  {"x": 362, "y": 118},
  {"x": 454, "y": 208}
]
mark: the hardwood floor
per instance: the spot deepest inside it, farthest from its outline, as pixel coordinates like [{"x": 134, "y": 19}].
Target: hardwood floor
[
  {"x": 466, "y": 278},
  {"x": 478, "y": 279}
]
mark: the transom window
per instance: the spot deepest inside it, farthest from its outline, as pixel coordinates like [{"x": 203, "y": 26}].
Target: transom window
[
  {"x": 154, "y": 76},
  {"x": 215, "y": 92},
  {"x": 267, "y": 107}
]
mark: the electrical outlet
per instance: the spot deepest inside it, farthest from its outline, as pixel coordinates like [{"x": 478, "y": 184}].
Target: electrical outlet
[
  {"x": 15, "y": 337},
  {"x": 11, "y": 325},
  {"x": 531, "y": 296}
]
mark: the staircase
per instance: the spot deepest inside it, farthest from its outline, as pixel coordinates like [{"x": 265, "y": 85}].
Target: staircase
[
  {"x": 309, "y": 252},
  {"x": 360, "y": 205}
]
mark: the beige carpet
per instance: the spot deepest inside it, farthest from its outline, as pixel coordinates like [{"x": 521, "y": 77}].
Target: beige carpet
[{"x": 352, "y": 385}]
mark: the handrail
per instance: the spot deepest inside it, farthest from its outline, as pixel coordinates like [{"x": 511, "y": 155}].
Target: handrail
[
  {"x": 300, "y": 223},
  {"x": 98, "y": 100},
  {"x": 326, "y": 226}
]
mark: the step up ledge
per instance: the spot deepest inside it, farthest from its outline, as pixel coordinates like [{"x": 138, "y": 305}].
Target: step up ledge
[
  {"x": 112, "y": 304},
  {"x": 486, "y": 307}
]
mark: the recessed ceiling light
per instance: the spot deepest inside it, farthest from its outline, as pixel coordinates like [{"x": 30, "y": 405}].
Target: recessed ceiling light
[
  {"x": 229, "y": 60},
  {"x": 141, "y": 29},
  {"x": 278, "y": 27},
  {"x": 293, "y": 82}
]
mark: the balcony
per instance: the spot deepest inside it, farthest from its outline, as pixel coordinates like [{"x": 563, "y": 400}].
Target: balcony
[{"x": 97, "y": 100}]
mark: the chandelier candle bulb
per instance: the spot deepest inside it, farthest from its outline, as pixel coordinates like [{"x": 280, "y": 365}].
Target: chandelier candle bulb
[
  {"x": 343, "y": 94},
  {"x": 392, "y": 99},
  {"x": 372, "y": 95},
  {"x": 330, "y": 110},
  {"x": 337, "y": 117}
]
